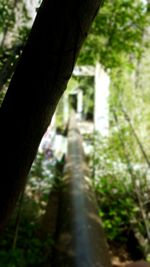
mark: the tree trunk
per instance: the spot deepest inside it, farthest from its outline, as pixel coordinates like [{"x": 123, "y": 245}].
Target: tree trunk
[{"x": 40, "y": 79}]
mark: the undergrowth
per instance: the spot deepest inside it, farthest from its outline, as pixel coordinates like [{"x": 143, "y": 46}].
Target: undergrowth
[{"x": 21, "y": 245}]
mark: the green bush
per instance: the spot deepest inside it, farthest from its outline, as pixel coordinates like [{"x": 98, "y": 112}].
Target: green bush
[
  {"x": 29, "y": 249},
  {"x": 117, "y": 207}
]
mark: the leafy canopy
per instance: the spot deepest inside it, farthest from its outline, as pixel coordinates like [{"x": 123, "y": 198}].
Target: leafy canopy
[{"x": 116, "y": 32}]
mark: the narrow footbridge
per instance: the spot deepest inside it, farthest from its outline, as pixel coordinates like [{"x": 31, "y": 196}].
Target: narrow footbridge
[{"x": 80, "y": 240}]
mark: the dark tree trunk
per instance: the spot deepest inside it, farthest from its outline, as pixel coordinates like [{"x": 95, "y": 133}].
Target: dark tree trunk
[{"x": 40, "y": 79}]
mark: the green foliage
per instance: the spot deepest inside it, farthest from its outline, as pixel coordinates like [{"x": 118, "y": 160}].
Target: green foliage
[
  {"x": 7, "y": 16},
  {"x": 117, "y": 207},
  {"x": 2, "y": 94},
  {"x": 86, "y": 85},
  {"x": 8, "y": 11},
  {"x": 129, "y": 91},
  {"x": 37, "y": 169},
  {"x": 41, "y": 179},
  {"x": 116, "y": 34},
  {"x": 59, "y": 115},
  {"x": 30, "y": 250},
  {"x": 14, "y": 29},
  {"x": 72, "y": 84},
  {"x": 121, "y": 186}
]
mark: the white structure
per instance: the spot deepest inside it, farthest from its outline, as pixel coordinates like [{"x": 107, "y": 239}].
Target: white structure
[
  {"x": 79, "y": 104},
  {"x": 101, "y": 110},
  {"x": 58, "y": 143},
  {"x": 65, "y": 108},
  {"x": 32, "y": 6},
  {"x": 78, "y": 94},
  {"x": 84, "y": 71}
]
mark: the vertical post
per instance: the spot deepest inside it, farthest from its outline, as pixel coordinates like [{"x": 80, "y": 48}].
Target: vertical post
[
  {"x": 65, "y": 108},
  {"x": 79, "y": 104},
  {"x": 101, "y": 119}
]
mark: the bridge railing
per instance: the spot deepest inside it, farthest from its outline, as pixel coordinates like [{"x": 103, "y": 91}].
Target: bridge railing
[{"x": 80, "y": 238}]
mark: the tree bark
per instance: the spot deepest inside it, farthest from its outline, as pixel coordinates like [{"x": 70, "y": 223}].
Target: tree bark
[{"x": 39, "y": 80}]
